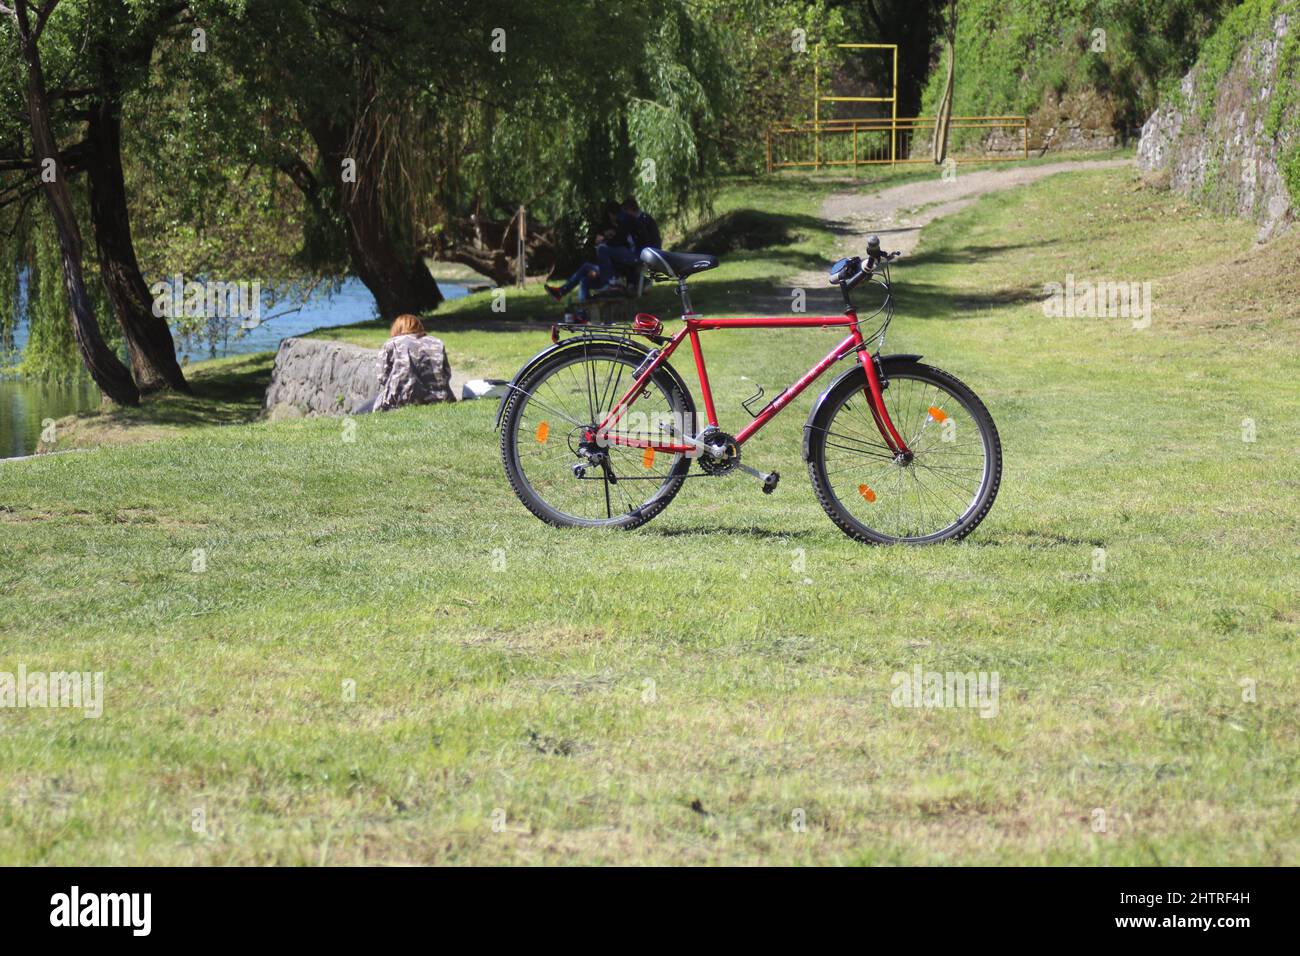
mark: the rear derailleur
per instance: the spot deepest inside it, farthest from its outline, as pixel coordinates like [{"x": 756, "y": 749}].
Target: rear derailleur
[{"x": 593, "y": 456}]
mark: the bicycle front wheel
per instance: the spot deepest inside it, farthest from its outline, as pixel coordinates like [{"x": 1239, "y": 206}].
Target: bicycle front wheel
[{"x": 941, "y": 492}]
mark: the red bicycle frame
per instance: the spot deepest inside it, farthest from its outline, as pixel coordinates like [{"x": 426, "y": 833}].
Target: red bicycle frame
[{"x": 695, "y": 324}]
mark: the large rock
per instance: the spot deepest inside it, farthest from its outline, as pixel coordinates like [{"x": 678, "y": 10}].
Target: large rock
[
  {"x": 1218, "y": 144},
  {"x": 319, "y": 377}
]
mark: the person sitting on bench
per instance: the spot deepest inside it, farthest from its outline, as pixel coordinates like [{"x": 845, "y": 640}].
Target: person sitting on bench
[
  {"x": 634, "y": 230},
  {"x": 640, "y": 225},
  {"x": 617, "y": 255},
  {"x": 596, "y": 277}
]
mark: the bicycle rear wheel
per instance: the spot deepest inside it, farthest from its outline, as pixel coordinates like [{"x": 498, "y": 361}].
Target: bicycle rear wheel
[
  {"x": 542, "y": 439},
  {"x": 940, "y": 493}
]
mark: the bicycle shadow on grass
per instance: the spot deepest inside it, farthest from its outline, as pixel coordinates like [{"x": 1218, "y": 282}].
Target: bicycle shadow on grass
[
  {"x": 1033, "y": 540},
  {"x": 762, "y": 534}
]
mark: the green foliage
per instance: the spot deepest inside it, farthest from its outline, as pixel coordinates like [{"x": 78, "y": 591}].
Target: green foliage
[
  {"x": 771, "y": 48},
  {"x": 200, "y": 146},
  {"x": 1289, "y": 163},
  {"x": 561, "y": 119},
  {"x": 9, "y": 304},
  {"x": 1221, "y": 49},
  {"x": 1286, "y": 83},
  {"x": 51, "y": 352},
  {"x": 1011, "y": 53},
  {"x": 1282, "y": 121},
  {"x": 86, "y": 44},
  {"x": 589, "y": 100},
  {"x": 673, "y": 117}
]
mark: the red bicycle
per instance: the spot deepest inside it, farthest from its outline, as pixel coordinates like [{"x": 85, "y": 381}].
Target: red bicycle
[{"x": 600, "y": 431}]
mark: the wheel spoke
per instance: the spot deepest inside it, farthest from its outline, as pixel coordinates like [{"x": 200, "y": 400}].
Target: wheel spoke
[
  {"x": 922, "y": 496},
  {"x": 548, "y": 439}
]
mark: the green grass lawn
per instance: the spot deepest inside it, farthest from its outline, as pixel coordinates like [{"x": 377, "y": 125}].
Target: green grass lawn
[{"x": 386, "y": 658}]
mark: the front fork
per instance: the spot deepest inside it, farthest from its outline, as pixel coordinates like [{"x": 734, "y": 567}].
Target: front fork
[{"x": 876, "y": 402}]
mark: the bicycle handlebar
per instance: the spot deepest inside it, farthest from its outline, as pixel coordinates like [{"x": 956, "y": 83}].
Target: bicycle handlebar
[
  {"x": 876, "y": 255},
  {"x": 849, "y": 273}
]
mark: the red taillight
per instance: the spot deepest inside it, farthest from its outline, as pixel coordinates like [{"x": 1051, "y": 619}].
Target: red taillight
[{"x": 646, "y": 324}]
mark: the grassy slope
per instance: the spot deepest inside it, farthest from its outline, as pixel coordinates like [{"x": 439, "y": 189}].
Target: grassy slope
[{"x": 503, "y": 664}]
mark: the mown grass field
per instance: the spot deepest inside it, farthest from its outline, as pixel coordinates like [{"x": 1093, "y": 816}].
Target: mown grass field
[{"x": 689, "y": 691}]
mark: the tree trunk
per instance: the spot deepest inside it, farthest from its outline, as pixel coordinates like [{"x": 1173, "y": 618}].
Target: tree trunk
[
  {"x": 149, "y": 341},
  {"x": 108, "y": 373},
  {"x": 398, "y": 284},
  {"x": 943, "y": 117},
  {"x": 494, "y": 255},
  {"x": 491, "y": 263}
]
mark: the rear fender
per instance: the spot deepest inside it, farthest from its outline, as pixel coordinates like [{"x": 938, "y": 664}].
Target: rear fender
[{"x": 577, "y": 342}]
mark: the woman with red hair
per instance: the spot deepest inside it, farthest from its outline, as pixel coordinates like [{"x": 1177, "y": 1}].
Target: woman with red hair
[{"x": 413, "y": 368}]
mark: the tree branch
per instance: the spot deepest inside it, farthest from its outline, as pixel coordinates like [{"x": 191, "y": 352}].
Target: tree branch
[
  {"x": 22, "y": 210},
  {"x": 17, "y": 191},
  {"x": 42, "y": 15},
  {"x": 73, "y": 94}
]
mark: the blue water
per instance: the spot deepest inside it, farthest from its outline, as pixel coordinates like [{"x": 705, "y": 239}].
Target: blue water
[{"x": 25, "y": 405}]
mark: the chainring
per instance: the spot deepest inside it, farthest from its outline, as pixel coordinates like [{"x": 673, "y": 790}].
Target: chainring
[{"x": 719, "y": 466}]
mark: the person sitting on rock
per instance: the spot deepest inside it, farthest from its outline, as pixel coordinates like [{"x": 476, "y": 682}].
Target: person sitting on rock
[{"x": 413, "y": 369}]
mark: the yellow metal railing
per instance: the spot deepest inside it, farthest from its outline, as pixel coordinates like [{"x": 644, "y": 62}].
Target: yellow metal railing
[
  {"x": 819, "y": 99},
  {"x": 887, "y": 140}
]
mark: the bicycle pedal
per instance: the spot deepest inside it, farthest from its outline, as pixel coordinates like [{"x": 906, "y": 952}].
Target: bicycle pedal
[{"x": 770, "y": 482}]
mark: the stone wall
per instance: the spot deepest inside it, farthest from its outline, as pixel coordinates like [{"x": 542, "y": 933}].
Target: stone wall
[
  {"x": 319, "y": 377},
  {"x": 1080, "y": 121},
  {"x": 1217, "y": 147}
]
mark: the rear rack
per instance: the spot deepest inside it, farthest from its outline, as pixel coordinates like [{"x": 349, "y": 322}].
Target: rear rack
[{"x": 643, "y": 324}]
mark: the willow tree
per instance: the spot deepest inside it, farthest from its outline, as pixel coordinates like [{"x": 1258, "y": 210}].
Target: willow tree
[
  {"x": 627, "y": 98},
  {"x": 407, "y": 125},
  {"x": 112, "y": 377},
  {"x": 316, "y": 111},
  {"x": 98, "y": 49},
  {"x": 118, "y": 55}
]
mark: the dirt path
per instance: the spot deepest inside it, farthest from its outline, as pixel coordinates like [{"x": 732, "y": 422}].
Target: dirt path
[{"x": 898, "y": 214}]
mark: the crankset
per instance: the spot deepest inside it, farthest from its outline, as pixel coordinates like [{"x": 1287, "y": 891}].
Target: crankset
[{"x": 719, "y": 454}]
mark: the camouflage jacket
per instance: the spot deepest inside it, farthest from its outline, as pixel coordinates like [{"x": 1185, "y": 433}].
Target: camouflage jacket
[{"x": 413, "y": 370}]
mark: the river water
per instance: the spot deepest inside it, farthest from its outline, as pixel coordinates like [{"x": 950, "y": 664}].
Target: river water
[{"x": 25, "y": 405}]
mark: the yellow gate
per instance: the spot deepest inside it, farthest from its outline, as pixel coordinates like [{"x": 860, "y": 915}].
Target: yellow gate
[{"x": 875, "y": 141}]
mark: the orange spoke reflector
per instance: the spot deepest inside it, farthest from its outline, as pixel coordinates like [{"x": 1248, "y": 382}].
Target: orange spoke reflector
[
  {"x": 543, "y": 432},
  {"x": 938, "y": 414},
  {"x": 648, "y": 459},
  {"x": 867, "y": 493}
]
